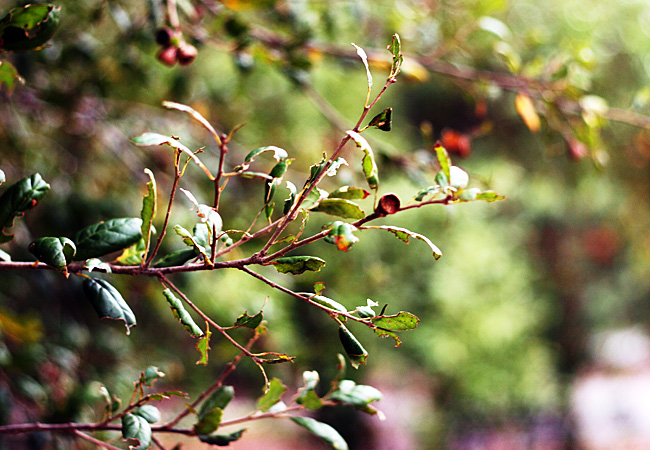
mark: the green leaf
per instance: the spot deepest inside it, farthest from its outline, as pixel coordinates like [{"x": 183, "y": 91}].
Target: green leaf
[
  {"x": 278, "y": 153},
  {"x": 403, "y": 234},
  {"x": 222, "y": 440},
  {"x": 368, "y": 163},
  {"x": 422, "y": 193},
  {"x": 355, "y": 351},
  {"x": 54, "y": 251},
  {"x": 148, "y": 412},
  {"x": 272, "y": 395},
  {"x": 350, "y": 393},
  {"x": 288, "y": 202},
  {"x": 401, "y": 321},
  {"x": 160, "y": 396},
  {"x": 340, "y": 207},
  {"x": 458, "y": 178},
  {"x": 383, "y": 120},
  {"x": 220, "y": 398},
  {"x": 151, "y": 139},
  {"x": 443, "y": 159},
  {"x": 364, "y": 59},
  {"x": 190, "y": 241},
  {"x": 298, "y": 264},
  {"x": 181, "y": 314},
  {"x": 137, "y": 428},
  {"x": 367, "y": 311},
  {"x": 148, "y": 212},
  {"x": 247, "y": 321},
  {"x": 17, "y": 199},
  {"x": 476, "y": 194},
  {"x": 319, "y": 287},
  {"x": 107, "y": 237},
  {"x": 341, "y": 235},
  {"x": 93, "y": 264},
  {"x": 313, "y": 198},
  {"x": 150, "y": 375},
  {"x": 28, "y": 27},
  {"x": 209, "y": 421},
  {"x": 306, "y": 395},
  {"x": 177, "y": 258},
  {"x": 327, "y": 302},
  {"x": 323, "y": 431},
  {"x": 395, "y": 48},
  {"x": 9, "y": 76},
  {"x": 203, "y": 345},
  {"x": 132, "y": 255},
  {"x": 108, "y": 302},
  {"x": 349, "y": 193}
]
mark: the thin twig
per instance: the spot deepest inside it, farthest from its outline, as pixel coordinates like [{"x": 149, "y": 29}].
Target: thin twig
[{"x": 95, "y": 441}]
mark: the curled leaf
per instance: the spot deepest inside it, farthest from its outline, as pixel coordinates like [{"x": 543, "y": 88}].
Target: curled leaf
[
  {"x": 108, "y": 302},
  {"x": 355, "y": 351},
  {"x": 181, "y": 314},
  {"x": 54, "y": 251},
  {"x": 17, "y": 199},
  {"x": 323, "y": 431},
  {"x": 298, "y": 264}
]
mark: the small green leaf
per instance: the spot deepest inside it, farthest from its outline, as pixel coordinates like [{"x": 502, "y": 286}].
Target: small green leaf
[
  {"x": 319, "y": 287},
  {"x": 9, "y": 77},
  {"x": 137, "y": 428},
  {"x": 401, "y": 321},
  {"x": 288, "y": 202},
  {"x": 323, "y": 431},
  {"x": 17, "y": 199},
  {"x": 222, "y": 440},
  {"x": 94, "y": 264},
  {"x": 422, "y": 193},
  {"x": 298, "y": 264},
  {"x": 341, "y": 235},
  {"x": 476, "y": 194},
  {"x": 247, "y": 321},
  {"x": 368, "y": 163},
  {"x": 306, "y": 395},
  {"x": 177, "y": 258},
  {"x": 181, "y": 314},
  {"x": 151, "y": 139},
  {"x": 355, "y": 351},
  {"x": 367, "y": 311},
  {"x": 340, "y": 207},
  {"x": 350, "y": 393},
  {"x": 148, "y": 212},
  {"x": 327, "y": 302},
  {"x": 132, "y": 256},
  {"x": 349, "y": 193},
  {"x": 203, "y": 345},
  {"x": 107, "y": 237},
  {"x": 403, "y": 234},
  {"x": 220, "y": 398},
  {"x": 395, "y": 48},
  {"x": 313, "y": 198},
  {"x": 316, "y": 170},
  {"x": 160, "y": 396},
  {"x": 190, "y": 241},
  {"x": 211, "y": 410},
  {"x": 364, "y": 59},
  {"x": 443, "y": 160},
  {"x": 148, "y": 412},
  {"x": 28, "y": 27},
  {"x": 458, "y": 178},
  {"x": 383, "y": 120},
  {"x": 54, "y": 251},
  {"x": 209, "y": 422},
  {"x": 278, "y": 153},
  {"x": 108, "y": 302},
  {"x": 151, "y": 374},
  {"x": 280, "y": 168},
  {"x": 272, "y": 395}
]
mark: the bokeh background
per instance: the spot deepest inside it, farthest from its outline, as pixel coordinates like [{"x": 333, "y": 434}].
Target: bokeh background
[{"x": 534, "y": 323}]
